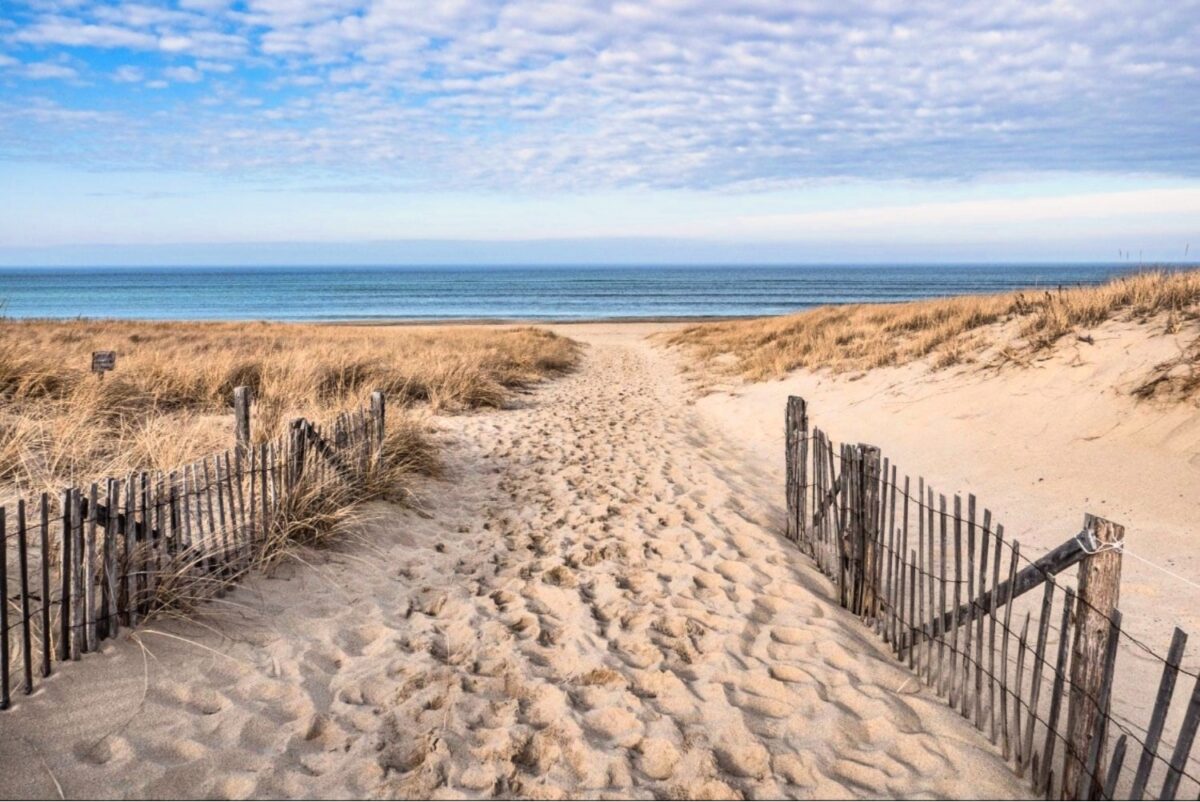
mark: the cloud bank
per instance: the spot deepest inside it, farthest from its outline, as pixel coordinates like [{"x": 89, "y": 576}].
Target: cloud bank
[{"x": 577, "y": 97}]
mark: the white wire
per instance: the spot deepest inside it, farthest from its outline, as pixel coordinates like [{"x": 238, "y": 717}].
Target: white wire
[
  {"x": 1166, "y": 571},
  {"x": 1096, "y": 548}
]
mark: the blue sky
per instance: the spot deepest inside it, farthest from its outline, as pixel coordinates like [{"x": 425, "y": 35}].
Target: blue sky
[{"x": 815, "y": 131}]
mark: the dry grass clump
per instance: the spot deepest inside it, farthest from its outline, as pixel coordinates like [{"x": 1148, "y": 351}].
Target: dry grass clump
[
  {"x": 311, "y": 514},
  {"x": 169, "y": 400},
  {"x": 948, "y": 330}
]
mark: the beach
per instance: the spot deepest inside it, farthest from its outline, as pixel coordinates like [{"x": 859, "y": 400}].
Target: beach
[
  {"x": 598, "y": 603},
  {"x": 595, "y": 598},
  {"x": 599, "y": 401}
]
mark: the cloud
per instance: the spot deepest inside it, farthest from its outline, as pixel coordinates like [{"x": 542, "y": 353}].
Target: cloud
[
  {"x": 46, "y": 70},
  {"x": 187, "y": 75},
  {"x": 75, "y": 33},
  {"x": 742, "y": 95},
  {"x": 128, "y": 74}
]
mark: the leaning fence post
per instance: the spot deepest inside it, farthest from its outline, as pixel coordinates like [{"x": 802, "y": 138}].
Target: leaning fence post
[
  {"x": 296, "y": 452},
  {"x": 868, "y": 530},
  {"x": 802, "y": 470},
  {"x": 241, "y": 418},
  {"x": 378, "y": 414},
  {"x": 790, "y": 427},
  {"x": 1099, "y": 593}
]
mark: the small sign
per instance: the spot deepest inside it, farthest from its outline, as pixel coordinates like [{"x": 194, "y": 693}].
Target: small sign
[{"x": 103, "y": 361}]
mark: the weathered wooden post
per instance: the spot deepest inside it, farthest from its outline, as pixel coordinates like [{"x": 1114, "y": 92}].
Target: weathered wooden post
[
  {"x": 802, "y": 468},
  {"x": 296, "y": 449},
  {"x": 378, "y": 415},
  {"x": 792, "y": 468},
  {"x": 340, "y": 436},
  {"x": 1099, "y": 593},
  {"x": 241, "y": 417},
  {"x": 868, "y": 530},
  {"x": 845, "y": 531}
]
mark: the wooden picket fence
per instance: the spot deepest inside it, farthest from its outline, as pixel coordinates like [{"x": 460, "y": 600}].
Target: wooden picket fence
[
  {"x": 1026, "y": 650},
  {"x": 107, "y": 556}
]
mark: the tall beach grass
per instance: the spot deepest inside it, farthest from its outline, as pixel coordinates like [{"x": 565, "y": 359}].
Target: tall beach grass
[
  {"x": 944, "y": 330},
  {"x": 169, "y": 400}
]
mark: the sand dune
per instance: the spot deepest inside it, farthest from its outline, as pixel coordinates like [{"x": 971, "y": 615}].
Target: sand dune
[
  {"x": 1040, "y": 445},
  {"x": 599, "y": 604}
]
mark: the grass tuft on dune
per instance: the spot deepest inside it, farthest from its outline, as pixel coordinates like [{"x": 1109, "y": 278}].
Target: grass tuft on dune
[
  {"x": 945, "y": 330},
  {"x": 169, "y": 400}
]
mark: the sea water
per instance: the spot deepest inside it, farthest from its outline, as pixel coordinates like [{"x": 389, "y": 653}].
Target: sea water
[{"x": 504, "y": 293}]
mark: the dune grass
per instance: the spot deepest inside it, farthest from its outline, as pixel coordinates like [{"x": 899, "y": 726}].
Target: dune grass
[
  {"x": 169, "y": 400},
  {"x": 944, "y": 330}
]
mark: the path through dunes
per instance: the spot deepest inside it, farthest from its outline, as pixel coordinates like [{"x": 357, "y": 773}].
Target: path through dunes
[{"x": 600, "y": 605}]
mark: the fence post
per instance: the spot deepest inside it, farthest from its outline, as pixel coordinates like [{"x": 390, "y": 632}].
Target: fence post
[
  {"x": 241, "y": 416},
  {"x": 791, "y": 428},
  {"x": 1099, "y": 593},
  {"x": 868, "y": 531},
  {"x": 378, "y": 415},
  {"x": 802, "y": 470},
  {"x": 296, "y": 452}
]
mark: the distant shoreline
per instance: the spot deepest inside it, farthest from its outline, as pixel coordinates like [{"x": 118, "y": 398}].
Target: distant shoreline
[
  {"x": 567, "y": 321},
  {"x": 411, "y": 322},
  {"x": 551, "y": 296}
]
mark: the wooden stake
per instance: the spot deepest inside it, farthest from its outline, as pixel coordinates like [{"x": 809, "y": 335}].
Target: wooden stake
[
  {"x": 252, "y": 532},
  {"x": 1166, "y": 688},
  {"x": 1183, "y": 745},
  {"x": 984, "y": 542},
  {"x": 222, "y": 527},
  {"x": 241, "y": 418},
  {"x": 91, "y": 569},
  {"x": 1014, "y": 557},
  {"x": 26, "y": 624},
  {"x": 65, "y": 572},
  {"x": 243, "y": 526},
  {"x": 1099, "y": 594},
  {"x": 922, "y": 569},
  {"x": 791, "y": 435},
  {"x": 1114, "y": 769},
  {"x": 110, "y": 604},
  {"x": 966, "y": 672},
  {"x": 886, "y": 624},
  {"x": 77, "y": 595},
  {"x": 1018, "y": 751},
  {"x": 1090, "y": 783},
  {"x": 143, "y": 540},
  {"x": 44, "y": 531},
  {"x": 130, "y": 539},
  {"x": 910, "y": 630},
  {"x": 1039, "y": 656},
  {"x": 929, "y": 535},
  {"x": 992, "y": 678},
  {"x": 942, "y": 690},
  {"x": 955, "y": 677},
  {"x": 5, "y": 699},
  {"x": 1056, "y": 693}
]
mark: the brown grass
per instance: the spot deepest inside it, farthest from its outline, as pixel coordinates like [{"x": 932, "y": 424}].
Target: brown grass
[
  {"x": 169, "y": 400},
  {"x": 946, "y": 330}
]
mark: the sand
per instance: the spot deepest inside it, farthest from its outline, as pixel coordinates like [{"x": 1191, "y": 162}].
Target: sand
[
  {"x": 595, "y": 601},
  {"x": 1040, "y": 446}
]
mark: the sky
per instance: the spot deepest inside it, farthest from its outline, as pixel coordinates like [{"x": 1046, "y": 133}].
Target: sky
[{"x": 209, "y": 131}]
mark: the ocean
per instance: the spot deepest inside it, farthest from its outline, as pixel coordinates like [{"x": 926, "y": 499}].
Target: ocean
[{"x": 506, "y": 293}]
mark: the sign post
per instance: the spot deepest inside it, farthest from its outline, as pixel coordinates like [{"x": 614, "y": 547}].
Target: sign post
[{"x": 103, "y": 361}]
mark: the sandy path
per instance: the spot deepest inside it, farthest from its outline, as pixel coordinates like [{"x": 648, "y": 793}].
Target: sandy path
[{"x": 600, "y": 605}]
